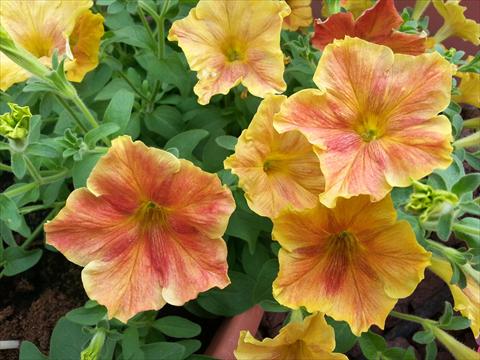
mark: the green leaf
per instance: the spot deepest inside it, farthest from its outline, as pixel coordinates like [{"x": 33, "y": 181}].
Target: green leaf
[
  {"x": 165, "y": 121},
  {"x": 104, "y": 130},
  {"x": 18, "y": 164},
  {"x": 87, "y": 316},
  {"x": 177, "y": 327},
  {"x": 9, "y": 213},
  {"x": 263, "y": 287},
  {"x": 43, "y": 150},
  {"x": 457, "y": 323},
  {"x": 81, "y": 169},
  {"x": 431, "y": 351},
  {"x": 67, "y": 341},
  {"x": 227, "y": 142},
  {"x": 424, "y": 337},
  {"x": 131, "y": 345},
  {"x": 190, "y": 346},
  {"x": 445, "y": 226},
  {"x": 234, "y": 299},
  {"x": 470, "y": 207},
  {"x": 134, "y": 35},
  {"x": 163, "y": 351},
  {"x": 447, "y": 314},
  {"x": 18, "y": 260},
  {"x": 372, "y": 345},
  {"x": 119, "y": 109},
  {"x": 28, "y": 351},
  {"x": 252, "y": 261},
  {"x": 186, "y": 142},
  {"x": 344, "y": 338},
  {"x": 466, "y": 184}
]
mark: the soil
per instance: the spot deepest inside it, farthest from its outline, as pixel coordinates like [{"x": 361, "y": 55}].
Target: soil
[{"x": 33, "y": 301}]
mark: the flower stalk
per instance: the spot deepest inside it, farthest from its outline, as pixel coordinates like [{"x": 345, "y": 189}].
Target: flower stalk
[
  {"x": 473, "y": 123},
  {"x": 472, "y": 140},
  {"x": 419, "y": 9}
]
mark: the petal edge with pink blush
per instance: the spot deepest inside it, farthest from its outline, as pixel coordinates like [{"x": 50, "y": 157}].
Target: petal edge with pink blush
[{"x": 147, "y": 229}]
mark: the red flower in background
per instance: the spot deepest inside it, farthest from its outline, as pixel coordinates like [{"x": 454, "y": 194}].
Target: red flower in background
[{"x": 378, "y": 25}]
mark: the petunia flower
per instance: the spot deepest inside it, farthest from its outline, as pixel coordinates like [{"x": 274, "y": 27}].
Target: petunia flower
[
  {"x": 275, "y": 170},
  {"x": 378, "y": 24},
  {"x": 46, "y": 25},
  {"x": 469, "y": 88},
  {"x": 352, "y": 262},
  {"x": 231, "y": 42},
  {"x": 147, "y": 229},
  {"x": 455, "y": 22},
  {"x": 311, "y": 338},
  {"x": 467, "y": 300},
  {"x": 300, "y": 16},
  {"x": 374, "y": 122}
]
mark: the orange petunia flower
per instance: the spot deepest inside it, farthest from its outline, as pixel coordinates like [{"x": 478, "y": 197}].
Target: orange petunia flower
[
  {"x": 378, "y": 24},
  {"x": 352, "y": 262},
  {"x": 311, "y": 338},
  {"x": 231, "y": 42},
  {"x": 469, "y": 88},
  {"x": 300, "y": 16},
  {"x": 374, "y": 122},
  {"x": 356, "y": 7},
  {"x": 275, "y": 170},
  {"x": 43, "y": 26},
  {"x": 147, "y": 229}
]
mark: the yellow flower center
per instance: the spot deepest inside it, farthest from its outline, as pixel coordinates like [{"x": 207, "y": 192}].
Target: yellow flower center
[
  {"x": 234, "y": 50},
  {"x": 344, "y": 243},
  {"x": 369, "y": 127},
  {"x": 151, "y": 213},
  {"x": 234, "y": 55},
  {"x": 270, "y": 165}
]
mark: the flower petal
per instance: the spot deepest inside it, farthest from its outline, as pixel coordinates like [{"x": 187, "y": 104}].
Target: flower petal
[
  {"x": 226, "y": 49},
  {"x": 312, "y": 338},
  {"x": 10, "y": 73},
  {"x": 148, "y": 228},
  {"x": 377, "y": 25},
  {"x": 85, "y": 44},
  {"x": 347, "y": 266},
  {"x": 275, "y": 170},
  {"x": 300, "y": 16},
  {"x": 469, "y": 89}
]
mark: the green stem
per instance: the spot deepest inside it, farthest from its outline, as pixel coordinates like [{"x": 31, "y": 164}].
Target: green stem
[
  {"x": 39, "y": 228},
  {"x": 466, "y": 229},
  {"x": 138, "y": 92},
  {"x": 412, "y": 318},
  {"x": 469, "y": 270},
  {"x": 144, "y": 21},
  {"x": 32, "y": 208},
  {"x": 84, "y": 109},
  {"x": 468, "y": 141},
  {"x": 74, "y": 116},
  {"x": 33, "y": 170},
  {"x": 419, "y": 9},
  {"x": 30, "y": 186},
  {"x": 473, "y": 123},
  {"x": 333, "y": 7},
  {"x": 456, "y": 348},
  {"x": 4, "y": 167}
]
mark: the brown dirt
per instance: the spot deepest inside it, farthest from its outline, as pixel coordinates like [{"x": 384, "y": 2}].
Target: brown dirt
[{"x": 32, "y": 302}]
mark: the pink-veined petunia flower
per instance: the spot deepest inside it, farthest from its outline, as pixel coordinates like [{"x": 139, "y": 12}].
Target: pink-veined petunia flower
[
  {"x": 228, "y": 42},
  {"x": 308, "y": 339},
  {"x": 378, "y": 24},
  {"x": 275, "y": 170},
  {"x": 42, "y": 26},
  {"x": 300, "y": 16},
  {"x": 147, "y": 229},
  {"x": 374, "y": 122},
  {"x": 352, "y": 262}
]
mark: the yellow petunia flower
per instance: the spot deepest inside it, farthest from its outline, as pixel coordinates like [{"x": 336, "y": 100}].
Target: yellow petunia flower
[
  {"x": 312, "y": 338},
  {"x": 467, "y": 300},
  {"x": 275, "y": 170},
  {"x": 469, "y": 88},
  {"x": 42, "y": 26},
  {"x": 455, "y": 23},
  {"x": 352, "y": 262},
  {"x": 228, "y": 42},
  {"x": 371, "y": 106},
  {"x": 301, "y": 15}
]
